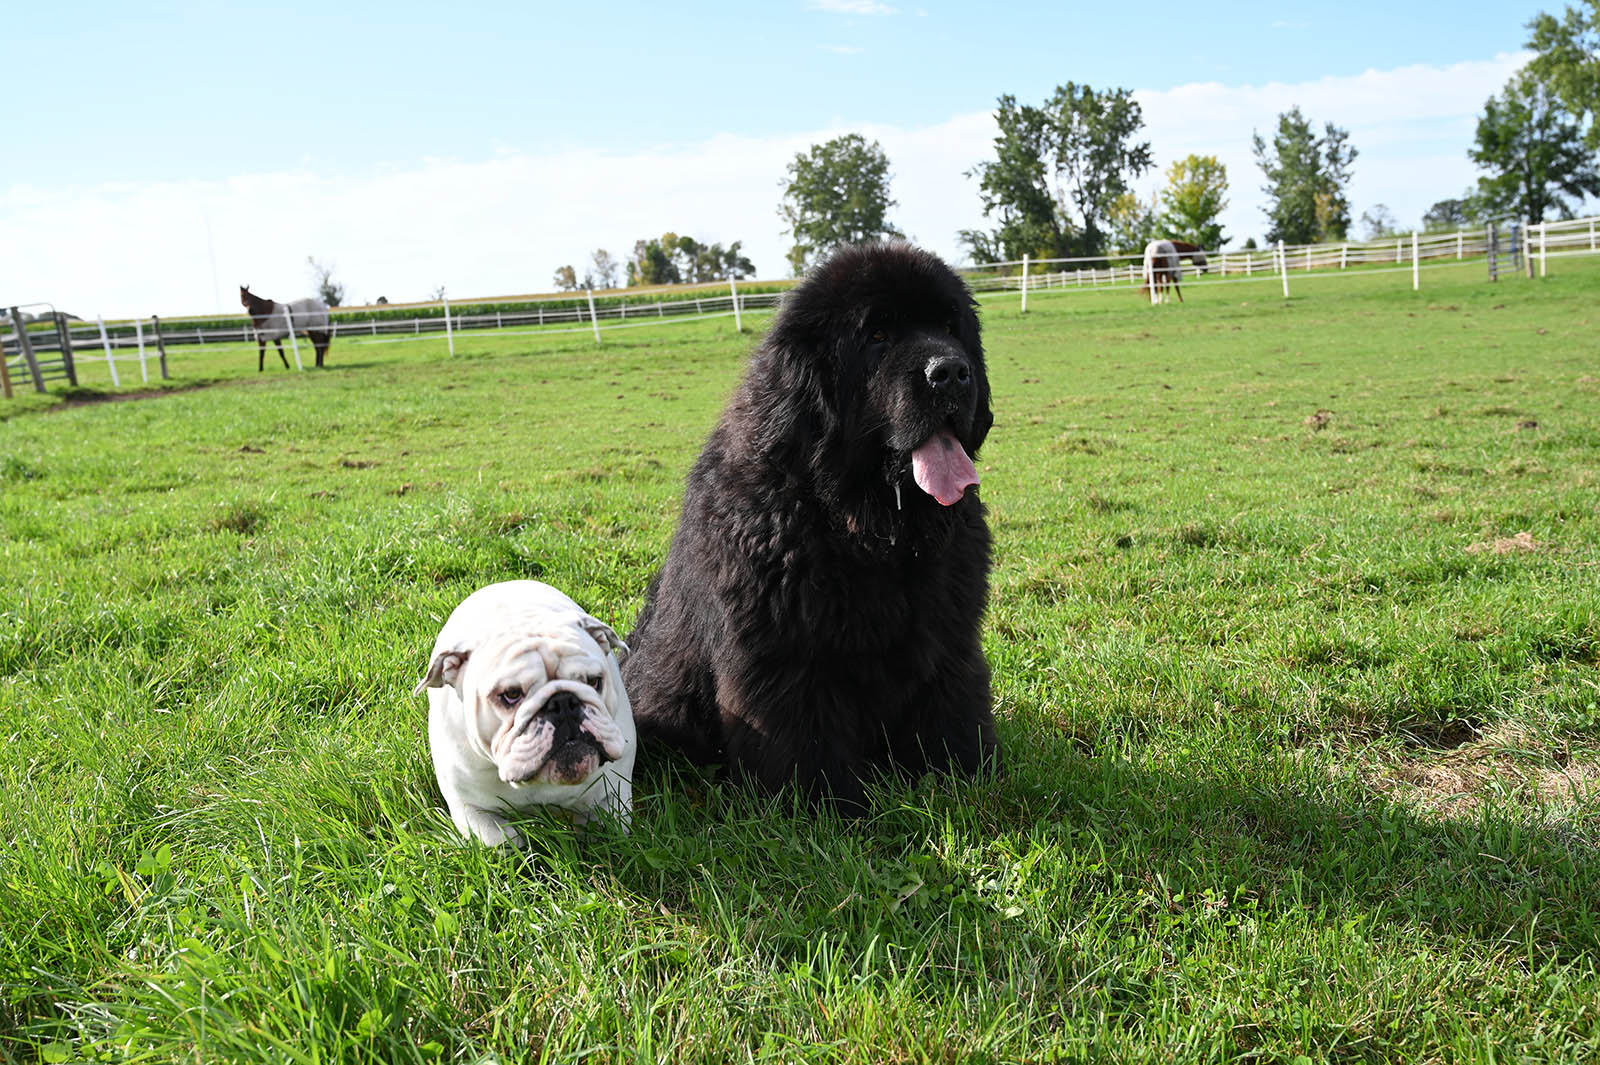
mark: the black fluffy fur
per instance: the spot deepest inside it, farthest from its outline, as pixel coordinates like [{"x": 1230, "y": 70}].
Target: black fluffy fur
[{"x": 810, "y": 625}]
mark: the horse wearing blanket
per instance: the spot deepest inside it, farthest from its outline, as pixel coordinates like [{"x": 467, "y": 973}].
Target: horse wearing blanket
[
  {"x": 1163, "y": 267},
  {"x": 1162, "y": 270},
  {"x": 274, "y": 321}
]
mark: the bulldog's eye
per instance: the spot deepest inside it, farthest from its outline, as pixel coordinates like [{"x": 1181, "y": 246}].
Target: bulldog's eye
[
  {"x": 510, "y": 697},
  {"x": 597, "y": 682}
]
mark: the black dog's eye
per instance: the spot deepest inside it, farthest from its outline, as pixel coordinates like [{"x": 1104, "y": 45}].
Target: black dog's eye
[
  {"x": 510, "y": 697},
  {"x": 950, "y": 328},
  {"x": 880, "y": 337}
]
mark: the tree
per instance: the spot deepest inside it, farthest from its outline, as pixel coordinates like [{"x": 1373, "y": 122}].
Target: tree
[
  {"x": 1058, "y": 171},
  {"x": 605, "y": 269},
  {"x": 1534, "y": 152},
  {"x": 566, "y": 279},
  {"x": 1306, "y": 178},
  {"x": 1196, "y": 193},
  {"x": 652, "y": 262},
  {"x": 672, "y": 259},
  {"x": 1133, "y": 223},
  {"x": 1568, "y": 62},
  {"x": 837, "y": 193},
  {"x": 1449, "y": 214},
  {"x": 1378, "y": 222},
  {"x": 329, "y": 291}
]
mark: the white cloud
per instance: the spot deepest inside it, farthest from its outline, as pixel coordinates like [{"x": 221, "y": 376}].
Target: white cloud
[
  {"x": 854, "y": 7},
  {"x": 503, "y": 224},
  {"x": 1411, "y": 127}
]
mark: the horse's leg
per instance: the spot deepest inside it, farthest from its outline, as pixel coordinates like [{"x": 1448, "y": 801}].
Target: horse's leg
[
  {"x": 321, "y": 341},
  {"x": 281, "y": 355},
  {"x": 261, "y": 354}
]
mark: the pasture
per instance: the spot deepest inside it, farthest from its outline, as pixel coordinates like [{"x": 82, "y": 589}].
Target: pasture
[{"x": 1296, "y": 658}]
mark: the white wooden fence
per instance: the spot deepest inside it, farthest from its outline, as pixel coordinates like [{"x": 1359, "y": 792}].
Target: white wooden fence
[{"x": 1408, "y": 254}]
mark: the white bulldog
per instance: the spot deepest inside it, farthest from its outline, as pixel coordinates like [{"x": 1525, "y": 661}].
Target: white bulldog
[{"x": 527, "y": 708}]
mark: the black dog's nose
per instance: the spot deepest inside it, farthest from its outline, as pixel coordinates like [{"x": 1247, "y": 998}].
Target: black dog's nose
[
  {"x": 564, "y": 711},
  {"x": 948, "y": 373}
]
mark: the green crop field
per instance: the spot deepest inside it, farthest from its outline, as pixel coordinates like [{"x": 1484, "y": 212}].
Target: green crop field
[{"x": 1296, "y": 651}]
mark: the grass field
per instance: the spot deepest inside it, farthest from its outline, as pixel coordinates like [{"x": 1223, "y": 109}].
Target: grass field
[{"x": 1296, "y": 653}]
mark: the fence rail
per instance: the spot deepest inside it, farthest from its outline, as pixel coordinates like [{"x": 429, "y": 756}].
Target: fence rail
[
  {"x": 1552, "y": 239},
  {"x": 125, "y": 340}
]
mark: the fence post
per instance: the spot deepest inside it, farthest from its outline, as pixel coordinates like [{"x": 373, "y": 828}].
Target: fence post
[
  {"x": 738, "y": 319},
  {"x": 1416, "y": 269},
  {"x": 594, "y": 319},
  {"x": 1024, "y": 284},
  {"x": 1458, "y": 244},
  {"x": 161, "y": 347},
  {"x": 1283, "y": 265},
  {"x": 64, "y": 338},
  {"x": 105, "y": 342},
  {"x": 449, "y": 334},
  {"x": 1397, "y": 254},
  {"x": 138, "y": 332},
  {"x": 25, "y": 345},
  {"x": 1544, "y": 232},
  {"x": 288, "y": 317},
  {"x": 5, "y": 378},
  {"x": 1591, "y": 234}
]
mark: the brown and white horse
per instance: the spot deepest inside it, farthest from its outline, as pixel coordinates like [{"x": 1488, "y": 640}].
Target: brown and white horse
[
  {"x": 1162, "y": 271},
  {"x": 1163, "y": 267},
  {"x": 273, "y": 321}
]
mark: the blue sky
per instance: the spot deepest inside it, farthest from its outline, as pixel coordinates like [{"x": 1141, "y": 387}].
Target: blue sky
[{"x": 509, "y": 139}]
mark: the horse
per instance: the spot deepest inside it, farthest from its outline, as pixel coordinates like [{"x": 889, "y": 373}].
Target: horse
[
  {"x": 1193, "y": 252},
  {"x": 1163, "y": 269},
  {"x": 273, "y": 321}
]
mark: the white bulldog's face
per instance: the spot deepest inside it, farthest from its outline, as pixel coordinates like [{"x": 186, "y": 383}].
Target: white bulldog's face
[{"x": 542, "y": 705}]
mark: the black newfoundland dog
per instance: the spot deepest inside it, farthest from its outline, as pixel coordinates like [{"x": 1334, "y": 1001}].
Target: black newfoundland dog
[{"x": 817, "y": 619}]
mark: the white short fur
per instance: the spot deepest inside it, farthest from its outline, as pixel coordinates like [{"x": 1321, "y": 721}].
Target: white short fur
[{"x": 488, "y": 757}]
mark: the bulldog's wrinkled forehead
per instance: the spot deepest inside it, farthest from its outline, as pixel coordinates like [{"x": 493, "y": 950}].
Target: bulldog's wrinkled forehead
[{"x": 550, "y": 650}]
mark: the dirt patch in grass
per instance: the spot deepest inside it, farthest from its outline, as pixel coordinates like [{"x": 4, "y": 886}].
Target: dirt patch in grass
[
  {"x": 1505, "y": 545},
  {"x": 1504, "y": 762}
]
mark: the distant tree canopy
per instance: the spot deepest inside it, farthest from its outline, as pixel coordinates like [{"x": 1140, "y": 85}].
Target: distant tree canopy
[
  {"x": 1534, "y": 152},
  {"x": 1132, "y": 223},
  {"x": 1059, "y": 172},
  {"x": 836, "y": 193},
  {"x": 1306, "y": 180},
  {"x": 672, "y": 259},
  {"x": 329, "y": 291},
  {"x": 1568, "y": 62},
  {"x": 603, "y": 273},
  {"x": 1195, "y": 196},
  {"x": 1378, "y": 222},
  {"x": 1450, "y": 214},
  {"x": 566, "y": 278}
]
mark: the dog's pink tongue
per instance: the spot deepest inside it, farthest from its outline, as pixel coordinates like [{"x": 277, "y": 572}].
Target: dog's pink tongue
[{"x": 942, "y": 469}]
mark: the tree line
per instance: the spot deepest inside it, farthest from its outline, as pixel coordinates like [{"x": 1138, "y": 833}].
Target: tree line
[{"x": 1061, "y": 182}]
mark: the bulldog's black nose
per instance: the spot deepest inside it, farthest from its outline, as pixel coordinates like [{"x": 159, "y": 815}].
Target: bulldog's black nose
[
  {"x": 565, "y": 712},
  {"x": 949, "y": 374}
]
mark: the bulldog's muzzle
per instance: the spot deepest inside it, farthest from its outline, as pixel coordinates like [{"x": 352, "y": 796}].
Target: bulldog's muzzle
[{"x": 561, "y": 734}]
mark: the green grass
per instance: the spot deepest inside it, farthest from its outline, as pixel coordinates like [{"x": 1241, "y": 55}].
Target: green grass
[{"x": 1298, "y": 763}]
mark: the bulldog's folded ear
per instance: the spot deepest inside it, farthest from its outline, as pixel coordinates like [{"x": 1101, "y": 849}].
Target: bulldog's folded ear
[
  {"x": 605, "y": 636},
  {"x": 444, "y": 669}
]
